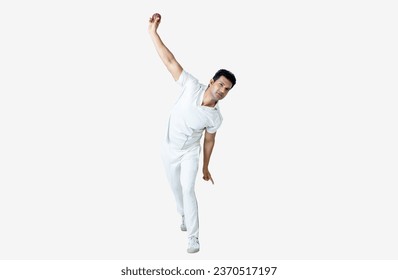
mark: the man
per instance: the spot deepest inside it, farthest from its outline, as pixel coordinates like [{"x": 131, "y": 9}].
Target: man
[{"x": 195, "y": 111}]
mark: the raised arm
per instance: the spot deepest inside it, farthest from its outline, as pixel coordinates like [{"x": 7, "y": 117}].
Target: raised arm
[{"x": 165, "y": 54}]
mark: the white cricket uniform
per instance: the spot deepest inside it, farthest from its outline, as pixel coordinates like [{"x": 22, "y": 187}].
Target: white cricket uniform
[{"x": 181, "y": 147}]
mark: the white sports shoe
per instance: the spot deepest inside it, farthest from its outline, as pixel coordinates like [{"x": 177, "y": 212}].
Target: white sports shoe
[
  {"x": 183, "y": 227},
  {"x": 193, "y": 245}
]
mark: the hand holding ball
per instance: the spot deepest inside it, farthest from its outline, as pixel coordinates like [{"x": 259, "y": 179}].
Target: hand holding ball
[
  {"x": 156, "y": 17},
  {"x": 154, "y": 22}
]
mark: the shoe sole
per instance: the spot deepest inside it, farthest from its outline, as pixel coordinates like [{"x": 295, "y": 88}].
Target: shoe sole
[{"x": 192, "y": 251}]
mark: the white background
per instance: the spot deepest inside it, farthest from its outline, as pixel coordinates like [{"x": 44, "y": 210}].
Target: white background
[{"x": 305, "y": 163}]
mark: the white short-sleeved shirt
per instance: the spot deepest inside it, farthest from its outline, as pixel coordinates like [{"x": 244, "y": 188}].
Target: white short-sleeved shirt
[{"x": 188, "y": 118}]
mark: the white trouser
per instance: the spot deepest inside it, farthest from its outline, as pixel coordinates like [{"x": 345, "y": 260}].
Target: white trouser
[{"x": 181, "y": 169}]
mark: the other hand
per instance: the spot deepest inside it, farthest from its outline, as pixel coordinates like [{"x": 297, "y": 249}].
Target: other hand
[{"x": 207, "y": 176}]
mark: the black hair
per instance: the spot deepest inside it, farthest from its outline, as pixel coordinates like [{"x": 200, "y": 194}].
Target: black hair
[{"x": 227, "y": 74}]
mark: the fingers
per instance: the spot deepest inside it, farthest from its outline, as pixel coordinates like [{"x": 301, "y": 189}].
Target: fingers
[
  {"x": 155, "y": 18},
  {"x": 154, "y": 22},
  {"x": 208, "y": 177}
]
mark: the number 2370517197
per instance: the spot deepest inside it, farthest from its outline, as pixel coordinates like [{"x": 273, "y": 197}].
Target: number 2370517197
[{"x": 235, "y": 270}]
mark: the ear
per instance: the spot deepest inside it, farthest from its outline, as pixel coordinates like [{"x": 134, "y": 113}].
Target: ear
[{"x": 211, "y": 81}]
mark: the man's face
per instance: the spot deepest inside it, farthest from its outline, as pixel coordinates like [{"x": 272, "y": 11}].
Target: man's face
[{"x": 220, "y": 88}]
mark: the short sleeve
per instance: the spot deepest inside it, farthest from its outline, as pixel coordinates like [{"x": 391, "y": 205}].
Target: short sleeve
[
  {"x": 211, "y": 129},
  {"x": 215, "y": 127},
  {"x": 187, "y": 79}
]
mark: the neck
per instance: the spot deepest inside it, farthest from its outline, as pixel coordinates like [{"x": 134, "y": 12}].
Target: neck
[{"x": 207, "y": 100}]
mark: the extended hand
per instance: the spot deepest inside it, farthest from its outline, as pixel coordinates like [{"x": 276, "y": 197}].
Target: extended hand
[
  {"x": 207, "y": 176},
  {"x": 154, "y": 22}
]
